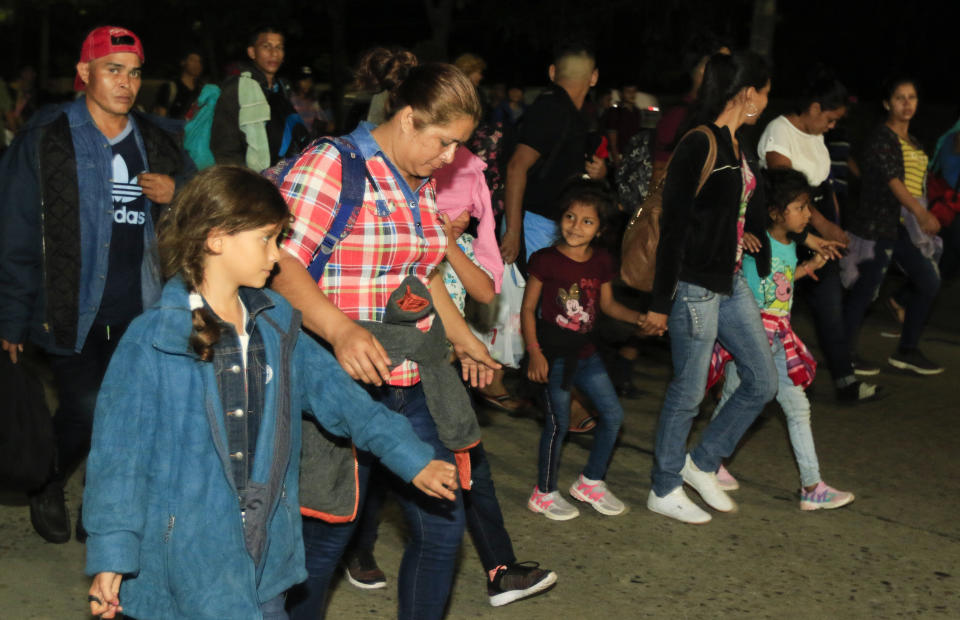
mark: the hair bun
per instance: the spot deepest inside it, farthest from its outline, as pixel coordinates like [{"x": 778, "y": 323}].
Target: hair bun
[{"x": 384, "y": 68}]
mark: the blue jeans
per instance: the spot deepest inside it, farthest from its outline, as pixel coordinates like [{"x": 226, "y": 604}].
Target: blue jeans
[
  {"x": 916, "y": 296},
  {"x": 699, "y": 318},
  {"x": 591, "y": 377},
  {"x": 796, "y": 408},
  {"x": 538, "y": 232},
  {"x": 480, "y": 504},
  {"x": 435, "y": 528}
]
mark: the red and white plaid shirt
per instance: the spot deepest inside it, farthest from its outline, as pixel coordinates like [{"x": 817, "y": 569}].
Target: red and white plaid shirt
[{"x": 383, "y": 246}]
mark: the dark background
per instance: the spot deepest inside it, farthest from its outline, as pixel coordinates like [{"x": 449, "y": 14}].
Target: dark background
[{"x": 637, "y": 40}]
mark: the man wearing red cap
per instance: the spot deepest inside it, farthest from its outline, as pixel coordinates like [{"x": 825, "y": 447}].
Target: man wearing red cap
[{"x": 79, "y": 189}]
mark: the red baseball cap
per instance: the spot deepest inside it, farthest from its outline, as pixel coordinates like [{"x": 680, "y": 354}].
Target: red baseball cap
[{"x": 104, "y": 41}]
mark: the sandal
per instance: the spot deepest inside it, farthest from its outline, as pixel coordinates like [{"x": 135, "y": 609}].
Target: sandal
[
  {"x": 499, "y": 402},
  {"x": 584, "y": 423}
]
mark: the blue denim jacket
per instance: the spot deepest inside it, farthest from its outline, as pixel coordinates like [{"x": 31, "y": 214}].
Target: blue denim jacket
[
  {"x": 21, "y": 212},
  {"x": 159, "y": 504}
]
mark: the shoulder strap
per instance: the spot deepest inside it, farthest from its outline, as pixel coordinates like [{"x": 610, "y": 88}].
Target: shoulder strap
[
  {"x": 352, "y": 187},
  {"x": 711, "y": 160}
]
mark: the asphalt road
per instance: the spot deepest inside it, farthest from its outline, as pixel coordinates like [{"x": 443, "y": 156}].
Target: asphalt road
[{"x": 894, "y": 552}]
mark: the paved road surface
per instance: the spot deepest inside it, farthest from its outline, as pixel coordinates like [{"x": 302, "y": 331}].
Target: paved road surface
[{"x": 894, "y": 552}]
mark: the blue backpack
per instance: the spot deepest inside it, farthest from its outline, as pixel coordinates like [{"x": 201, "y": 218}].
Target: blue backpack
[{"x": 352, "y": 187}]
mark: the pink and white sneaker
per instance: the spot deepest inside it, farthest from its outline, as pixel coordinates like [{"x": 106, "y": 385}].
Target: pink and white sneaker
[
  {"x": 726, "y": 480},
  {"x": 824, "y": 497},
  {"x": 596, "y": 493},
  {"x": 552, "y": 505}
]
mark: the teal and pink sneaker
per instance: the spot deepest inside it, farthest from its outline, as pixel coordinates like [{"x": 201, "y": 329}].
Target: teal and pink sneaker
[
  {"x": 824, "y": 497},
  {"x": 596, "y": 493}
]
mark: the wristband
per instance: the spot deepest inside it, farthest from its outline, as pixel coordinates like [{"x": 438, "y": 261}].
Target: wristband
[{"x": 533, "y": 347}]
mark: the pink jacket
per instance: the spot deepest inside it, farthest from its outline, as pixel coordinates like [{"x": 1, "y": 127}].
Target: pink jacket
[{"x": 461, "y": 187}]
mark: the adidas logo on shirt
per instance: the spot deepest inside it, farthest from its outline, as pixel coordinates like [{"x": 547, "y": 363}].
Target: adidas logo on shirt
[{"x": 125, "y": 190}]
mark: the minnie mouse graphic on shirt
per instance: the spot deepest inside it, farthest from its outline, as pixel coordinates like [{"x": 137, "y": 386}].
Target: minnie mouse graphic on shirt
[{"x": 576, "y": 315}]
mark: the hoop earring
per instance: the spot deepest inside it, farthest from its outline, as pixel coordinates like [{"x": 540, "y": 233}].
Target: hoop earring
[{"x": 751, "y": 109}]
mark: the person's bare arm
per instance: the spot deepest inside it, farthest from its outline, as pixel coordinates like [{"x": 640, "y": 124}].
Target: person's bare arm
[
  {"x": 475, "y": 280},
  {"x": 538, "y": 368},
  {"x": 356, "y": 349},
  {"x": 474, "y": 357},
  {"x": 520, "y": 163},
  {"x": 613, "y": 308}
]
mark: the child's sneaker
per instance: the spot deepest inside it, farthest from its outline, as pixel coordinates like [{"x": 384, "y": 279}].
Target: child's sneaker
[
  {"x": 552, "y": 505},
  {"x": 726, "y": 480},
  {"x": 824, "y": 497},
  {"x": 362, "y": 570},
  {"x": 512, "y": 582},
  {"x": 596, "y": 493}
]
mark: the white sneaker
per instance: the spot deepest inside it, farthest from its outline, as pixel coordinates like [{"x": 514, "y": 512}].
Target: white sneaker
[
  {"x": 677, "y": 505},
  {"x": 552, "y": 505},
  {"x": 596, "y": 493},
  {"x": 705, "y": 483}
]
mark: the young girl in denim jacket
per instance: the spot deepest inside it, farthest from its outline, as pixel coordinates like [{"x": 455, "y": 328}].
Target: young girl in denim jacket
[
  {"x": 191, "y": 501},
  {"x": 570, "y": 282}
]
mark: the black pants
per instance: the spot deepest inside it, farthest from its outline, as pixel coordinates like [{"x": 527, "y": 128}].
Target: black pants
[
  {"x": 825, "y": 298},
  {"x": 77, "y": 379}
]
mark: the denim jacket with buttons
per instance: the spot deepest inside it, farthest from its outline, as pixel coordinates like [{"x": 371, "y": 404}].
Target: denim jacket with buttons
[
  {"x": 160, "y": 505},
  {"x": 55, "y": 191}
]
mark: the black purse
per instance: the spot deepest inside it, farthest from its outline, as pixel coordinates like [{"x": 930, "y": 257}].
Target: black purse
[{"x": 26, "y": 430}]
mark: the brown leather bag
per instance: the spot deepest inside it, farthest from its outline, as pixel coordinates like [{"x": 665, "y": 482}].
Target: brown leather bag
[{"x": 638, "y": 257}]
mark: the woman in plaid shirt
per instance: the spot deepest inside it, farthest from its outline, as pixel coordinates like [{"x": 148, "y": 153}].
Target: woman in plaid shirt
[{"x": 432, "y": 109}]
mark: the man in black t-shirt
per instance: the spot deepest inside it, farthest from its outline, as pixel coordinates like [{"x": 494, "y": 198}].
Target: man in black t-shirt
[
  {"x": 77, "y": 190},
  {"x": 552, "y": 149}
]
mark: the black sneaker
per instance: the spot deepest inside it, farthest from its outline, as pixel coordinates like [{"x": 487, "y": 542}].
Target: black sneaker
[
  {"x": 914, "y": 361},
  {"x": 860, "y": 392},
  {"x": 48, "y": 513},
  {"x": 864, "y": 368},
  {"x": 362, "y": 570},
  {"x": 519, "y": 580}
]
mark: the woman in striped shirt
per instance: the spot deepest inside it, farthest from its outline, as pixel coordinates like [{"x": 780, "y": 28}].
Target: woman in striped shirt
[{"x": 891, "y": 203}]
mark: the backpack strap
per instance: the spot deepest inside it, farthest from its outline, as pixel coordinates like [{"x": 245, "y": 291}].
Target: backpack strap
[{"x": 352, "y": 187}]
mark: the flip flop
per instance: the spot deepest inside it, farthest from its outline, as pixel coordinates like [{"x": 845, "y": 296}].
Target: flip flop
[
  {"x": 584, "y": 424},
  {"x": 497, "y": 402}
]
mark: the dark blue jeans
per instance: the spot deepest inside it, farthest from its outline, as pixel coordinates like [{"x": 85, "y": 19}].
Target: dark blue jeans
[
  {"x": 591, "y": 377},
  {"x": 484, "y": 517},
  {"x": 825, "y": 297},
  {"x": 435, "y": 528},
  {"x": 916, "y": 295},
  {"x": 77, "y": 378}
]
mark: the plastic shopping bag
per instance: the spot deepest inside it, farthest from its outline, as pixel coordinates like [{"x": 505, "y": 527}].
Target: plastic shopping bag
[{"x": 504, "y": 338}]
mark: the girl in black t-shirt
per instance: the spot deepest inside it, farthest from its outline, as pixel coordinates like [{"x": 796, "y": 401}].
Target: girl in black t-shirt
[{"x": 570, "y": 282}]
